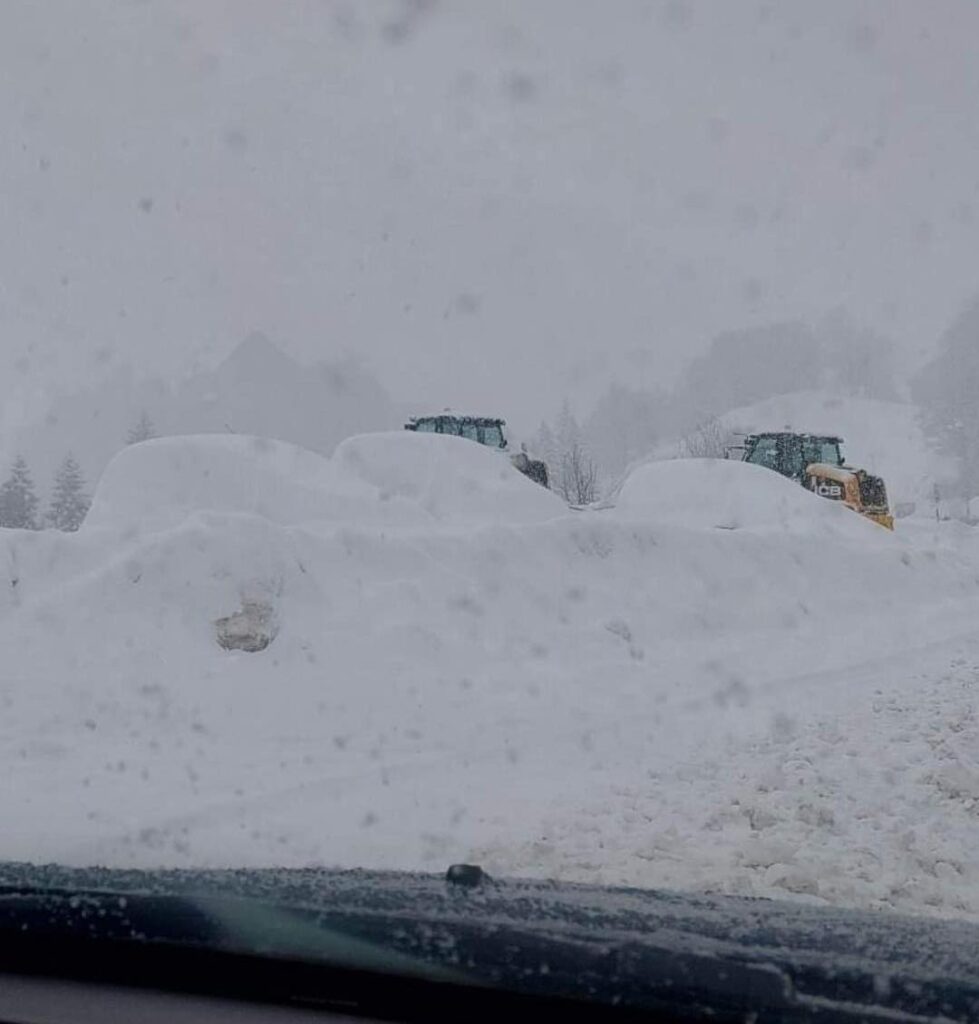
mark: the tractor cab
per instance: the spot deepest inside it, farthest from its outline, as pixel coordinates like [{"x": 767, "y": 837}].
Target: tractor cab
[
  {"x": 482, "y": 429},
  {"x": 790, "y": 454}
]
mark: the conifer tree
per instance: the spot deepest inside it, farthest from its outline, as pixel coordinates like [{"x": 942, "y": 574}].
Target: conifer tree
[
  {"x": 69, "y": 503},
  {"x": 18, "y": 500}
]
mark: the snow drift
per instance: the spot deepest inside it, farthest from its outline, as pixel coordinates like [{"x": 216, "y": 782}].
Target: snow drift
[
  {"x": 396, "y": 478},
  {"x": 453, "y": 480},
  {"x": 726, "y": 495},
  {"x": 163, "y": 481},
  {"x": 463, "y": 669}
]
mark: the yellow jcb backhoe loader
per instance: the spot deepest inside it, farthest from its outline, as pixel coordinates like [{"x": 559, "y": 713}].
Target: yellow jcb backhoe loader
[{"x": 816, "y": 462}]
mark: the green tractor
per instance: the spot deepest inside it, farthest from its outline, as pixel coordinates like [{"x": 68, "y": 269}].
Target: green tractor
[{"x": 485, "y": 430}]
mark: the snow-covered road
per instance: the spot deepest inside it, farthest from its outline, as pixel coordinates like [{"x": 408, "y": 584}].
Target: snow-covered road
[
  {"x": 780, "y": 706},
  {"x": 867, "y": 796}
]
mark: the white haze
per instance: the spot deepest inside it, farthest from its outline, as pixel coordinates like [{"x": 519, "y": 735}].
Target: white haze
[{"x": 494, "y": 205}]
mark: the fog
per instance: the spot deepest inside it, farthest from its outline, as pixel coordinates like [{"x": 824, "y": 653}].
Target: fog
[{"x": 491, "y": 205}]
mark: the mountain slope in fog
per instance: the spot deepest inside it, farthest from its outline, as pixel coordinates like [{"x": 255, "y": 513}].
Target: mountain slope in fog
[{"x": 258, "y": 390}]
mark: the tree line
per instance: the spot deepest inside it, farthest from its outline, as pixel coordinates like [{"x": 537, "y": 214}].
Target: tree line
[{"x": 20, "y": 507}]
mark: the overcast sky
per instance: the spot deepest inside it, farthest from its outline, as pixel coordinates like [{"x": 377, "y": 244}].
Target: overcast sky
[{"x": 494, "y": 203}]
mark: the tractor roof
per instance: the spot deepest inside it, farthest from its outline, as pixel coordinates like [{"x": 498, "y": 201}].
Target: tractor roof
[
  {"x": 479, "y": 421},
  {"x": 832, "y": 438}
]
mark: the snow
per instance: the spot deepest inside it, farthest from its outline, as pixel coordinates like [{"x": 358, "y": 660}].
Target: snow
[
  {"x": 452, "y": 479},
  {"x": 395, "y": 478},
  {"x": 730, "y": 495},
  {"x": 465, "y": 670},
  {"x": 165, "y": 480}
]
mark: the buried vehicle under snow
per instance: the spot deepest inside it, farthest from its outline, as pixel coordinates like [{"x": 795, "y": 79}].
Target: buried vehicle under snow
[
  {"x": 485, "y": 430},
  {"x": 816, "y": 461}
]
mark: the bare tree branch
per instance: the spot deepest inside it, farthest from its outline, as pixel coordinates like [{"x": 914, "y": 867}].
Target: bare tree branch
[
  {"x": 708, "y": 440},
  {"x": 577, "y": 480}
]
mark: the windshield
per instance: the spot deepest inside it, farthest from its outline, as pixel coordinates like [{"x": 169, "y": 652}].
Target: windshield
[
  {"x": 249, "y": 620},
  {"x": 493, "y": 436},
  {"x": 765, "y": 452},
  {"x": 825, "y": 452}
]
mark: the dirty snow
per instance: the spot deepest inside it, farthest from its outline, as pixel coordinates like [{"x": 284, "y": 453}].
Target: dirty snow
[{"x": 723, "y": 683}]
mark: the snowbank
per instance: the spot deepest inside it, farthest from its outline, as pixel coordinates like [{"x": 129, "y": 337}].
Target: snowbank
[
  {"x": 397, "y": 478},
  {"x": 704, "y": 494},
  {"x": 163, "y": 481},
  {"x": 450, "y": 478},
  {"x": 630, "y": 696}
]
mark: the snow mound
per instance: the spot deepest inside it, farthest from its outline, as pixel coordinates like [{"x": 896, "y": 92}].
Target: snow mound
[
  {"x": 450, "y": 478},
  {"x": 162, "y": 482},
  {"x": 394, "y": 479},
  {"x": 723, "y": 495}
]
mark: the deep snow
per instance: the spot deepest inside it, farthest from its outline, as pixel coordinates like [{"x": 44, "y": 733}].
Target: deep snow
[
  {"x": 729, "y": 495},
  {"x": 722, "y": 683}
]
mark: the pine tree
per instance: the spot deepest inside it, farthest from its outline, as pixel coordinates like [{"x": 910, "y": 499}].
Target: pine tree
[
  {"x": 69, "y": 503},
  {"x": 143, "y": 430},
  {"x": 18, "y": 500}
]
